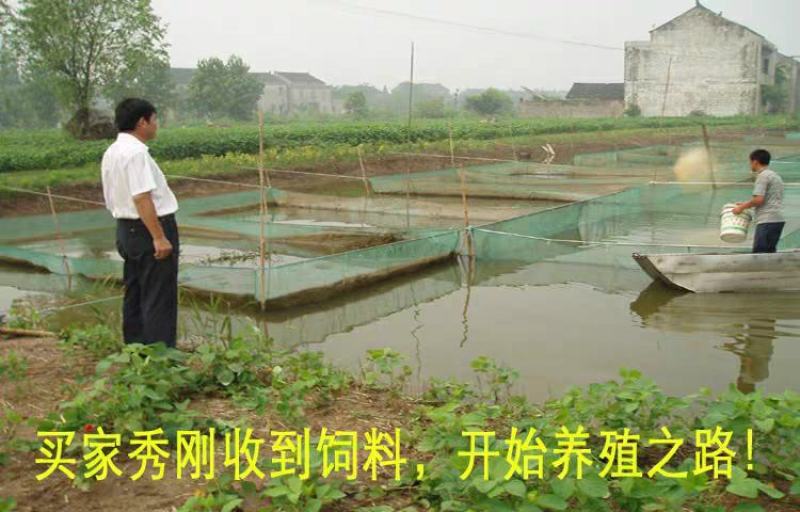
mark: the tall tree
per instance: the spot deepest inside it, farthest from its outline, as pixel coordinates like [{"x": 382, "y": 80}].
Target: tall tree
[
  {"x": 490, "y": 102},
  {"x": 86, "y": 44},
  {"x": 224, "y": 89},
  {"x": 356, "y": 105},
  {"x": 28, "y": 103},
  {"x": 149, "y": 79}
]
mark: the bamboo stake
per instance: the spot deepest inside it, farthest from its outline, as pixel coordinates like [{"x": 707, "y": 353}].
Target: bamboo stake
[
  {"x": 408, "y": 194},
  {"x": 363, "y": 170},
  {"x": 64, "y": 259},
  {"x": 708, "y": 155},
  {"x": 262, "y": 213},
  {"x": 261, "y": 146},
  {"x": 666, "y": 87},
  {"x": 513, "y": 145},
  {"x": 410, "y": 110},
  {"x": 464, "y": 202},
  {"x": 452, "y": 146},
  {"x": 411, "y": 88}
]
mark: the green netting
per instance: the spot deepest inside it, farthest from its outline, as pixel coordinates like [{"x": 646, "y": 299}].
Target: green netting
[
  {"x": 324, "y": 277},
  {"x": 727, "y": 155},
  {"x": 519, "y": 180},
  {"x": 219, "y": 249},
  {"x": 616, "y": 214},
  {"x": 656, "y": 218}
]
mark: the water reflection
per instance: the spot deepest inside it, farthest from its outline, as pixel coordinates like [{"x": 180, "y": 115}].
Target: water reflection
[
  {"x": 754, "y": 348},
  {"x": 750, "y": 323}
]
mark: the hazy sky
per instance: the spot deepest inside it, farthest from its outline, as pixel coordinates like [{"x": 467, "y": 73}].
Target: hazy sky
[{"x": 344, "y": 41}]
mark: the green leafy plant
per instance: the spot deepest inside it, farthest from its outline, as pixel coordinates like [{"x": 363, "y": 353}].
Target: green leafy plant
[
  {"x": 385, "y": 369},
  {"x": 99, "y": 340},
  {"x": 13, "y": 367},
  {"x": 7, "y": 505},
  {"x": 498, "y": 379},
  {"x": 139, "y": 388},
  {"x": 25, "y": 315},
  {"x": 295, "y": 495}
]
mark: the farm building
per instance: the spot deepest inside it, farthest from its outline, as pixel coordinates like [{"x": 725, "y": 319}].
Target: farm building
[
  {"x": 289, "y": 93},
  {"x": 284, "y": 93},
  {"x": 582, "y": 100},
  {"x": 701, "y": 62}
]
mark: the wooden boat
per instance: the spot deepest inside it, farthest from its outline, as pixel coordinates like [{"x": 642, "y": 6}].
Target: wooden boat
[{"x": 734, "y": 272}]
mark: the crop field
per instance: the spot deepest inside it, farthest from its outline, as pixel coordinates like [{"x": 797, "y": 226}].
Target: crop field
[{"x": 53, "y": 149}]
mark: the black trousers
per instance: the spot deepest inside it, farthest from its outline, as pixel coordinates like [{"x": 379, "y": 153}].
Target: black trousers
[
  {"x": 150, "y": 307},
  {"x": 767, "y": 236}
]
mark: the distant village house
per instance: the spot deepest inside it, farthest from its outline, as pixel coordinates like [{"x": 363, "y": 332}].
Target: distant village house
[
  {"x": 291, "y": 93},
  {"x": 703, "y": 63},
  {"x": 582, "y": 100},
  {"x": 284, "y": 93}
]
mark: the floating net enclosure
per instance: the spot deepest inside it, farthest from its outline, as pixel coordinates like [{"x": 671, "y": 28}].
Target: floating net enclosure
[
  {"x": 519, "y": 180},
  {"x": 605, "y": 231},
  {"x": 321, "y": 245},
  {"x": 220, "y": 249}
]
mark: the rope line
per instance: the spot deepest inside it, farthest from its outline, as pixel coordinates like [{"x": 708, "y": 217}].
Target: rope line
[
  {"x": 66, "y": 198},
  {"x": 210, "y": 180},
  {"x": 727, "y": 183},
  {"x": 604, "y": 243},
  {"x": 285, "y": 171}
]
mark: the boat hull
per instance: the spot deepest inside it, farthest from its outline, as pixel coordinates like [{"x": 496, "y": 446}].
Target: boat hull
[{"x": 716, "y": 273}]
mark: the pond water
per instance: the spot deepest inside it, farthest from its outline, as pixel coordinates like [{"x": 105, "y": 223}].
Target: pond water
[{"x": 559, "y": 325}]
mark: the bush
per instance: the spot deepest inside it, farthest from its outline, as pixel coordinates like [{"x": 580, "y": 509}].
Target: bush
[{"x": 633, "y": 111}]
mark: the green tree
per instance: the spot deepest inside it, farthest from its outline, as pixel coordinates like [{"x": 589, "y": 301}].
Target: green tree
[
  {"x": 775, "y": 97},
  {"x": 85, "y": 45},
  {"x": 431, "y": 108},
  {"x": 149, "y": 79},
  {"x": 29, "y": 103},
  {"x": 490, "y": 102},
  {"x": 220, "y": 89},
  {"x": 356, "y": 105}
]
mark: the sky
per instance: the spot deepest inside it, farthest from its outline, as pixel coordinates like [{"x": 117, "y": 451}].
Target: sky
[{"x": 362, "y": 41}]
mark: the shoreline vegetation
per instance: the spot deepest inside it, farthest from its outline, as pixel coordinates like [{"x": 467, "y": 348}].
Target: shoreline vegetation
[{"x": 91, "y": 380}]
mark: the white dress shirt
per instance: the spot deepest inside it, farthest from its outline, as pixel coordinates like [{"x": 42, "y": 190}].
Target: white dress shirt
[{"x": 129, "y": 170}]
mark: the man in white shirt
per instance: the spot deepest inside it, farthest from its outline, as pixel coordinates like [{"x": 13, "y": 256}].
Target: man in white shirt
[{"x": 137, "y": 195}]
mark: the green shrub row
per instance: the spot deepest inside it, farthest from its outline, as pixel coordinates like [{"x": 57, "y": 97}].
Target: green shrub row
[{"x": 52, "y": 149}]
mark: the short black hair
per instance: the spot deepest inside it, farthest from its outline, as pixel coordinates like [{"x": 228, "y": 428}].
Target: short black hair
[
  {"x": 129, "y": 111},
  {"x": 761, "y": 156}
]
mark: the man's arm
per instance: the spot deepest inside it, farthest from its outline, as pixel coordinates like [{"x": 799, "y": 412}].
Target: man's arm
[
  {"x": 756, "y": 201},
  {"x": 147, "y": 212}
]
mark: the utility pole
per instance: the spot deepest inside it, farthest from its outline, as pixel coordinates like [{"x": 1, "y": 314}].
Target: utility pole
[{"x": 411, "y": 87}]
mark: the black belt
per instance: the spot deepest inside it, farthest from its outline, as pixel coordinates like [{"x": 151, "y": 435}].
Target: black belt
[{"x": 131, "y": 222}]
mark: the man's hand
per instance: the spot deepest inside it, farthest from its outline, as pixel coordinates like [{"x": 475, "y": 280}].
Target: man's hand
[
  {"x": 740, "y": 207},
  {"x": 162, "y": 247}
]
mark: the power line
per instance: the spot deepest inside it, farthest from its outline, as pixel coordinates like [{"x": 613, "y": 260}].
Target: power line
[
  {"x": 525, "y": 35},
  {"x": 480, "y": 28}
]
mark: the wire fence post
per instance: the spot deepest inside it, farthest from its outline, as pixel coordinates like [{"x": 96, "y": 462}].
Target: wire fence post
[
  {"x": 363, "y": 170},
  {"x": 707, "y": 144},
  {"x": 262, "y": 217},
  {"x": 452, "y": 145},
  {"x": 62, "y": 246},
  {"x": 467, "y": 231}
]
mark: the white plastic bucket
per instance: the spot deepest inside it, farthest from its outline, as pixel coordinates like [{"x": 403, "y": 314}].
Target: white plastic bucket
[{"x": 733, "y": 228}]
